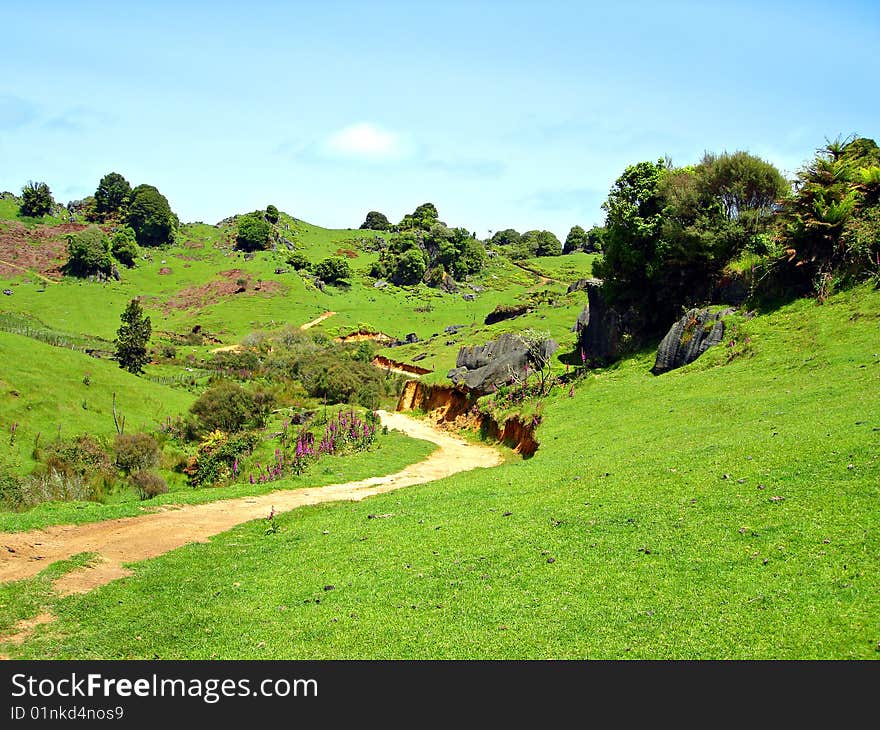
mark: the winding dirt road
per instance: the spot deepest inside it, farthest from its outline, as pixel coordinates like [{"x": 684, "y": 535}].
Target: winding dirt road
[{"x": 131, "y": 539}]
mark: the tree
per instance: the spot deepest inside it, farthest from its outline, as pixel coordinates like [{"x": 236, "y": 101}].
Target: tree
[
  {"x": 272, "y": 214},
  {"x": 132, "y": 338},
  {"x": 595, "y": 240},
  {"x": 124, "y": 246},
  {"x": 150, "y": 216},
  {"x": 333, "y": 269},
  {"x": 88, "y": 253},
  {"x": 252, "y": 233},
  {"x": 36, "y": 199},
  {"x": 576, "y": 240},
  {"x": 376, "y": 221},
  {"x": 422, "y": 217},
  {"x": 507, "y": 237},
  {"x": 548, "y": 244},
  {"x": 112, "y": 194}
]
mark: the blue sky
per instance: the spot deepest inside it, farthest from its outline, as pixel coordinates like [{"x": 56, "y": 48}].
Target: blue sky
[{"x": 504, "y": 114}]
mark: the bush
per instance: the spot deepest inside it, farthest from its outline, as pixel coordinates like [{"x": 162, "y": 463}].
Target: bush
[
  {"x": 252, "y": 233},
  {"x": 151, "y": 217},
  {"x": 218, "y": 458},
  {"x": 135, "y": 452},
  {"x": 123, "y": 246},
  {"x": 88, "y": 253},
  {"x": 36, "y": 199},
  {"x": 148, "y": 484},
  {"x": 410, "y": 267},
  {"x": 299, "y": 261},
  {"x": 271, "y": 214},
  {"x": 333, "y": 269},
  {"x": 229, "y": 407}
]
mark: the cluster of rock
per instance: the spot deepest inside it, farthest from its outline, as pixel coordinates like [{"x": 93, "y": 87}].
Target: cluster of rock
[
  {"x": 601, "y": 329},
  {"x": 481, "y": 368}
]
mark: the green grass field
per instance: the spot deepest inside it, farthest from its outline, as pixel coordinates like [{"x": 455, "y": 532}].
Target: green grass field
[{"x": 725, "y": 510}]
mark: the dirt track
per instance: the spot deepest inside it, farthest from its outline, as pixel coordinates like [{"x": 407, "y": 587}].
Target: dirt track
[
  {"x": 131, "y": 539},
  {"x": 318, "y": 320}
]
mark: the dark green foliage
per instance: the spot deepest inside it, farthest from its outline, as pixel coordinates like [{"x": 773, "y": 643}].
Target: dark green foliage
[
  {"x": 148, "y": 484},
  {"x": 36, "y": 199},
  {"x": 132, "y": 338},
  {"x": 112, "y": 195},
  {"x": 82, "y": 456},
  {"x": 298, "y": 260},
  {"x": 576, "y": 240},
  {"x": 595, "y": 240},
  {"x": 669, "y": 232},
  {"x": 421, "y": 218},
  {"x": 135, "y": 451},
  {"x": 333, "y": 269},
  {"x": 376, "y": 221},
  {"x": 88, "y": 253},
  {"x": 123, "y": 245},
  {"x": 409, "y": 267},
  {"x": 507, "y": 237},
  {"x": 252, "y": 233},
  {"x": 340, "y": 380},
  {"x": 228, "y": 407},
  {"x": 830, "y": 224},
  {"x": 151, "y": 217},
  {"x": 272, "y": 214}
]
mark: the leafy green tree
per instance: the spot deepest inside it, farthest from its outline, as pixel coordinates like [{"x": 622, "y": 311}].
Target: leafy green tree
[
  {"x": 422, "y": 217},
  {"x": 150, "y": 216},
  {"x": 376, "y": 221},
  {"x": 576, "y": 240},
  {"x": 123, "y": 246},
  {"x": 333, "y": 269},
  {"x": 252, "y": 233},
  {"x": 595, "y": 240},
  {"x": 272, "y": 214},
  {"x": 36, "y": 199},
  {"x": 548, "y": 244},
  {"x": 132, "y": 338},
  {"x": 112, "y": 195},
  {"x": 507, "y": 237},
  {"x": 410, "y": 267},
  {"x": 88, "y": 253}
]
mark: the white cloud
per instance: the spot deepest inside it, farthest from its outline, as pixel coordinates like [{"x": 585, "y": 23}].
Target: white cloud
[{"x": 365, "y": 141}]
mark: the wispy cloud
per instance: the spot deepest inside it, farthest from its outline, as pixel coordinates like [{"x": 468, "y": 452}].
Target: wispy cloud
[
  {"x": 77, "y": 119},
  {"x": 365, "y": 143},
  {"x": 15, "y": 112},
  {"x": 575, "y": 200}
]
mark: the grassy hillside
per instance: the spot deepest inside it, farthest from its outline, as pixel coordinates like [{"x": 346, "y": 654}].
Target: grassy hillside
[
  {"x": 51, "y": 390},
  {"x": 724, "y": 510}
]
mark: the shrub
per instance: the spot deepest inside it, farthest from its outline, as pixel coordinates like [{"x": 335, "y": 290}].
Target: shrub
[
  {"x": 252, "y": 233},
  {"x": 88, "y": 253},
  {"x": 218, "y": 458},
  {"x": 135, "y": 452},
  {"x": 229, "y": 407},
  {"x": 271, "y": 214},
  {"x": 410, "y": 267},
  {"x": 124, "y": 246},
  {"x": 82, "y": 455},
  {"x": 333, "y": 269},
  {"x": 298, "y": 260},
  {"x": 36, "y": 199},
  {"x": 148, "y": 484},
  {"x": 151, "y": 217}
]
